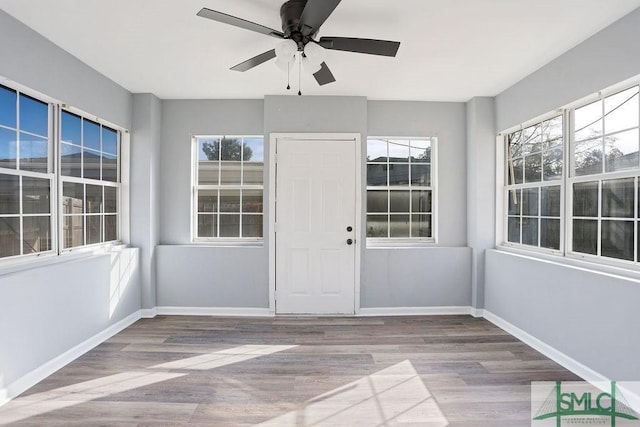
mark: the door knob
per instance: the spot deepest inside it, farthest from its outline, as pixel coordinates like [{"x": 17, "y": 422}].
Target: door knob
[{"x": 349, "y": 241}]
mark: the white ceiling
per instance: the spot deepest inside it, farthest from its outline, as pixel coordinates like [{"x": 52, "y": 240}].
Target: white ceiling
[{"x": 451, "y": 50}]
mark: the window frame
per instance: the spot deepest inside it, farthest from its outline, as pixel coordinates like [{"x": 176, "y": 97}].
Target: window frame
[
  {"x": 401, "y": 242},
  {"x": 569, "y": 178},
  {"x": 195, "y": 187}
]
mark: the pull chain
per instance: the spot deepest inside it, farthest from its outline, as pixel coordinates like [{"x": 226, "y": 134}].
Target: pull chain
[
  {"x": 288, "y": 74},
  {"x": 300, "y": 75}
]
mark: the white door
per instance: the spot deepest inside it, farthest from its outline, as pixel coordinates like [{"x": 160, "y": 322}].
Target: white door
[{"x": 315, "y": 209}]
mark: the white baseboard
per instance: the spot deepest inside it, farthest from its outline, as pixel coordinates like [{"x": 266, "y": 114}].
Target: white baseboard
[
  {"x": 414, "y": 311},
  {"x": 149, "y": 313},
  {"x": 477, "y": 312},
  {"x": 214, "y": 311},
  {"x": 27, "y": 381}
]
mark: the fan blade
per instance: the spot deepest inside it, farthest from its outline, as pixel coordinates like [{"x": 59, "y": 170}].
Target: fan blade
[
  {"x": 324, "y": 76},
  {"x": 255, "y": 61},
  {"x": 239, "y": 22},
  {"x": 315, "y": 13},
  {"x": 372, "y": 47}
]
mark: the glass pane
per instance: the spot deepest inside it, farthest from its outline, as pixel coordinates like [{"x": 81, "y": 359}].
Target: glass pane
[
  {"x": 229, "y": 201},
  {"x": 231, "y": 149},
  {"x": 9, "y": 194},
  {"x": 552, "y": 129},
  {"x": 34, "y": 116},
  {"x": 208, "y": 149},
  {"x": 94, "y": 199},
  {"x": 36, "y": 234},
  {"x": 208, "y": 173},
  {"x": 399, "y": 226},
  {"x": 551, "y": 201},
  {"x": 251, "y": 225},
  {"x": 9, "y": 236},
  {"x": 552, "y": 164},
  {"x": 109, "y": 168},
  {"x": 513, "y": 225},
  {"x": 253, "y": 173},
  {"x": 377, "y": 225},
  {"x": 72, "y": 198},
  {"x": 530, "y": 201},
  {"x": 34, "y": 153},
  {"x": 420, "y": 225},
  {"x": 621, "y": 110},
  {"x": 398, "y": 174},
  {"x": 376, "y": 174},
  {"x": 618, "y": 198},
  {"x": 421, "y": 201},
  {"x": 530, "y": 231},
  {"x": 252, "y": 201},
  {"x": 533, "y": 168},
  {"x": 421, "y": 175},
  {"x": 532, "y": 139},
  {"x": 399, "y": 150},
  {"x": 617, "y": 239},
  {"x": 550, "y": 233},
  {"x": 8, "y": 108},
  {"x": 229, "y": 225},
  {"x": 399, "y": 201},
  {"x": 585, "y": 236},
  {"x": 377, "y": 201},
  {"x": 621, "y": 151},
  {"x": 588, "y": 121},
  {"x": 207, "y": 225},
  {"x": 515, "y": 144},
  {"x": 376, "y": 150},
  {"x": 230, "y": 174},
  {"x": 585, "y": 199},
  {"x": 94, "y": 229},
  {"x": 588, "y": 159},
  {"x": 109, "y": 141},
  {"x": 253, "y": 150},
  {"x": 518, "y": 170},
  {"x": 73, "y": 231},
  {"x": 208, "y": 201},
  {"x": 71, "y": 128},
  {"x": 71, "y": 159},
  {"x": 91, "y": 164},
  {"x": 420, "y": 151},
  {"x": 110, "y": 199},
  {"x": 35, "y": 195},
  {"x": 91, "y": 135},
  {"x": 515, "y": 202},
  {"x": 8, "y": 147},
  {"x": 110, "y": 228}
]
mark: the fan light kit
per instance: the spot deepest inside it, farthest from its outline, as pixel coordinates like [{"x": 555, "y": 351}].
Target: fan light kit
[{"x": 301, "y": 21}]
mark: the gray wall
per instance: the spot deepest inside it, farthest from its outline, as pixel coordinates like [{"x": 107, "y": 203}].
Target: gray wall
[
  {"x": 590, "y": 316},
  {"x": 48, "y": 309},
  {"x": 607, "y": 58}
]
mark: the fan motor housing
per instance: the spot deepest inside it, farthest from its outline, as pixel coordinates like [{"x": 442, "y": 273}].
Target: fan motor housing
[{"x": 290, "y": 13}]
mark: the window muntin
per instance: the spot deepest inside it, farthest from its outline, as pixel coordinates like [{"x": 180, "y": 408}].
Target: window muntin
[
  {"x": 89, "y": 180},
  {"x": 26, "y": 181},
  {"x": 228, "y": 188},
  {"x": 400, "y": 191}
]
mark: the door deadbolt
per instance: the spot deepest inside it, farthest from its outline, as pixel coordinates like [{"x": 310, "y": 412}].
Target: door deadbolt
[
  {"x": 349, "y": 241},
  {"x": 349, "y": 228}
]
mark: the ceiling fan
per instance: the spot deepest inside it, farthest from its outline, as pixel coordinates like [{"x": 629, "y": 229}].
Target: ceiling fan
[{"x": 301, "y": 20}]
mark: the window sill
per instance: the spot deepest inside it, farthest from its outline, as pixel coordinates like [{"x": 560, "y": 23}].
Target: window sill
[{"x": 575, "y": 261}]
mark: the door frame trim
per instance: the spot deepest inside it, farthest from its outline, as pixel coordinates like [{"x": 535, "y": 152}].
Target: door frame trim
[{"x": 273, "y": 145}]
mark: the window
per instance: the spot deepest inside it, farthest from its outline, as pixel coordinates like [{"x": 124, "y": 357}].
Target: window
[
  {"x": 591, "y": 173},
  {"x": 400, "y": 189},
  {"x": 51, "y": 203},
  {"x": 26, "y": 181},
  {"x": 90, "y": 183},
  {"x": 228, "y": 188}
]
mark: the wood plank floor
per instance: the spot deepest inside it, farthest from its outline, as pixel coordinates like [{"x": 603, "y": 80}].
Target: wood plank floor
[{"x": 288, "y": 371}]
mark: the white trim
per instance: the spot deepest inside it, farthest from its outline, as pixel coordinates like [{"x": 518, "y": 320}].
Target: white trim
[
  {"x": 149, "y": 313},
  {"x": 30, "y": 379},
  {"x": 214, "y": 311},
  {"x": 477, "y": 312},
  {"x": 414, "y": 311}
]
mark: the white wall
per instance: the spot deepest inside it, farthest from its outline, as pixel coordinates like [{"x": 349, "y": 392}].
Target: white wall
[{"x": 587, "y": 315}]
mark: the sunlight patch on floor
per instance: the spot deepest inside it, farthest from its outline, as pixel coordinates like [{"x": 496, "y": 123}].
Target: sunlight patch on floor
[{"x": 392, "y": 396}]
